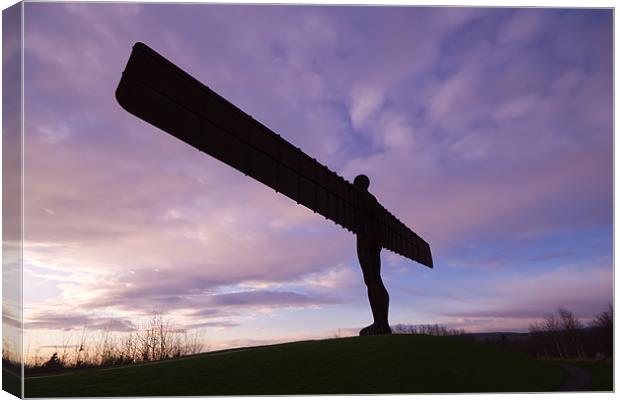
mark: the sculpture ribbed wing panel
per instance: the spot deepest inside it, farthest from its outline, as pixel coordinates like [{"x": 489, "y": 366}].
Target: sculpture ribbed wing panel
[
  {"x": 157, "y": 91},
  {"x": 398, "y": 238}
]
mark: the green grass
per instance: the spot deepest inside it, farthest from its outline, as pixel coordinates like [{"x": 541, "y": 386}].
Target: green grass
[
  {"x": 601, "y": 373},
  {"x": 11, "y": 382},
  {"x": 379, "y": 364}
]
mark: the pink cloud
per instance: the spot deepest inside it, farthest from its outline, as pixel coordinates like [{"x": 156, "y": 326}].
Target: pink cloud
[{"x": 125, "y": 212}]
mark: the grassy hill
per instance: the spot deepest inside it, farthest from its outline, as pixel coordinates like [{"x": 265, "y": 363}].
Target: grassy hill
[{"x": 379, "y": 364}]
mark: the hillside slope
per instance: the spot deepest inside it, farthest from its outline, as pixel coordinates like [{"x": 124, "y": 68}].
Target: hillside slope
[{"x": 379, "y": 364}]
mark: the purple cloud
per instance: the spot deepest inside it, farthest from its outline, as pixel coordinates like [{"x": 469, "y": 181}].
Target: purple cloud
[
  {"x": 68, "y": 322},
  {"x": 488, "y": 131}
]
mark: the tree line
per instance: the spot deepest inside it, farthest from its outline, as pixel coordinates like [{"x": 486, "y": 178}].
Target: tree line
[
  {"x": 155, "y": 340},
  {"x": 562, "y": 335},
  {"x": 431, "y": 330}
]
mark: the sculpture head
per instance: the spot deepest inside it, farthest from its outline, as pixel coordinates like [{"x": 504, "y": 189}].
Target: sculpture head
[{"x": 362, "y": 182}]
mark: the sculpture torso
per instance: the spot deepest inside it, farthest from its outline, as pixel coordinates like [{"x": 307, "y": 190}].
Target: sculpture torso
[{"x": 370, "y": 227}]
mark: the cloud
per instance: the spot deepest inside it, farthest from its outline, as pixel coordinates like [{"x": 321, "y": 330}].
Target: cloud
[
  {"x": 474, "y": 146},
  {"x": 524, "y": 299},
  {"x": 365, "y": 101},
  {"x": 516, "y": 108},
  {"x": 11, "y": 316},
  {"x": 260, "y": 298},
  {"x": 70, "y": 321},
  {"x": 155, "y": 289},
  {"x": 336, "y": 278},
  {"x": 525, "y": 25},
  {"x": 471, "y": 135},
  {"x": 217, "y": 324},
  {"x": 451, "y": 97}
]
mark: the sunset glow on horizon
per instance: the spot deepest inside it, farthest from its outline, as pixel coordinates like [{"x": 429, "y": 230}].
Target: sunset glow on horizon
[{"x": 489, "y": 132}]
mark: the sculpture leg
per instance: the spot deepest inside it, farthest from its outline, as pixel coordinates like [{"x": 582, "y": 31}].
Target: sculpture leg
[{"x": 369, "y": 255}]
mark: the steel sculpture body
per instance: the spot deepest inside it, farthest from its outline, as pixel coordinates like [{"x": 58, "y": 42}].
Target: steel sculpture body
[{"x": 158, "y": 92}]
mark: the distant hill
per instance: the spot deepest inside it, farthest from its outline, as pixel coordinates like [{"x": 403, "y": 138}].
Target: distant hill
[{"x": 374, "y": 365}]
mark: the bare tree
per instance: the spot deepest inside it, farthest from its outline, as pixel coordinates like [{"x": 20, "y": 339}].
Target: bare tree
[
  {"x": 573, "y": 329},
  {"x": 154, "y": 340},
  {"x": 553, "y": 327},
  {"x": 539, "y": 339},
  {"x": 602, "y": 328}
]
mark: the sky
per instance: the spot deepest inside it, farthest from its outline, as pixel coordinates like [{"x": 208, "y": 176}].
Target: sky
[{"x": 487, "y": 131}]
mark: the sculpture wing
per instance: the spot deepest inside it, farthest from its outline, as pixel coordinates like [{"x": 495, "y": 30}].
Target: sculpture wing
[
  {"x": 398, "y": 238},
  {"x": 157, "y": 91}
]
